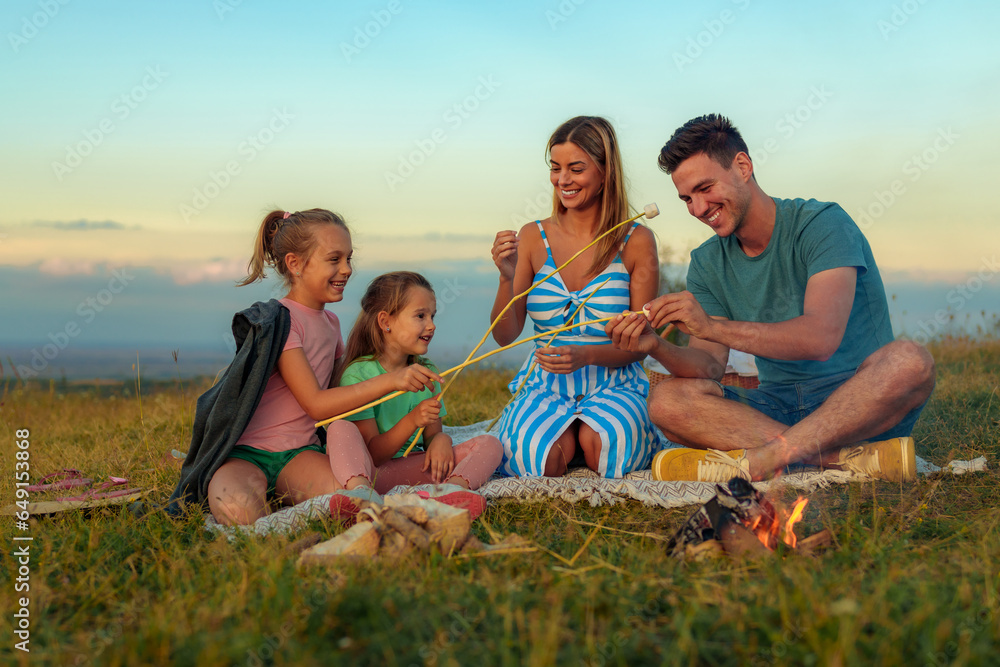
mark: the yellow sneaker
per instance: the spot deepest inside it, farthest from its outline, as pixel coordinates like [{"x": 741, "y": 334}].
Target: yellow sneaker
[
  {"x": 893, "y": 460},
  {"x": 700, "y": 465}
]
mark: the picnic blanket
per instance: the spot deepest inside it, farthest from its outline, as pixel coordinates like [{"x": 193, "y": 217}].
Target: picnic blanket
[{"x": 579, "y": 485}]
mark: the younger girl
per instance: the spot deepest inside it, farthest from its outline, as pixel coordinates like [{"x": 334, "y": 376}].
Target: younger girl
[
  {"x": 278, "y": 453},
  {"x": 392, "y": 333}
]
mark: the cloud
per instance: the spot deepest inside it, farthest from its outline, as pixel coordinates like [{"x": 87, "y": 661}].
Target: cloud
[
  {"x": 212, "y": 271},
  {"x": 59, "y": 266},
  {"x": 82, "y": 225}
]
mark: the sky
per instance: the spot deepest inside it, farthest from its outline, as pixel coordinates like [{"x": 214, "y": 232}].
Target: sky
[{"x": 142, "y": 143}]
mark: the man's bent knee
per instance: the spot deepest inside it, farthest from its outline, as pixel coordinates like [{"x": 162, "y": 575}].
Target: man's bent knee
[{"x": 670, "y": 400}]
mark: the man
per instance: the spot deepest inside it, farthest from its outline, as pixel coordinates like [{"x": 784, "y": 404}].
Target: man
[{"x": 794, "y": 283}]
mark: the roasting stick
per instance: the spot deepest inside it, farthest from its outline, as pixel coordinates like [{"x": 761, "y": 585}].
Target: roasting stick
[
  {"x": 649, "y": 211},
  {"x": 467, "y": 362},
  {"x": 548, "y": 343}
]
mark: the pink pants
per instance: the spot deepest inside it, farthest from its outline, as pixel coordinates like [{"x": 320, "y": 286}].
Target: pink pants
[{"x": 475, "y": 460}]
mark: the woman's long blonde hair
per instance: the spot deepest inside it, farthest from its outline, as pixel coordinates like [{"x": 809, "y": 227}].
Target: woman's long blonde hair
[{"x": 595, "y": 136}]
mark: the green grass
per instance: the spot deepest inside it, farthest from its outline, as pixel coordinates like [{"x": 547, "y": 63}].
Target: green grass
[{"x": 912, "y": 578}]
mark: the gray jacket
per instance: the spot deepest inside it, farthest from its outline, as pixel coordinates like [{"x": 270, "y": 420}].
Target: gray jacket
[{"x": 223, "y": 412}]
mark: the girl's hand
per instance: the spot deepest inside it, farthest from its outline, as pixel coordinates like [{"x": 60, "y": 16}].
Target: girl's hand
[
  {"x": 414, "y": 378},
  {"x": 427, "y": 412},
  {"x": 505, "y": 252},
  {"x": 439, "y": 458},
  {"x": 562, "y": 360}
]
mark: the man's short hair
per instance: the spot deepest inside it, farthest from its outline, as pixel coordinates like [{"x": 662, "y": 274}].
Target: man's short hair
[{"x": 713, "y": 134}]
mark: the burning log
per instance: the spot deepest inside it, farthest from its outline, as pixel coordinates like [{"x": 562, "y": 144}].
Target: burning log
[{"x": 741, "y": 522}]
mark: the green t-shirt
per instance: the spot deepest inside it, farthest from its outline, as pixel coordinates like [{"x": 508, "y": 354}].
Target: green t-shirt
[
  {"x": 809, "y": 237},
  {"x": 388, "y": 414}
]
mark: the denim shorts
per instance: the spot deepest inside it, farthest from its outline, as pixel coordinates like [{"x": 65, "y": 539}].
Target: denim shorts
[
  {"x": 271, "y": 463},
  {"x": 791, "y": 403}
]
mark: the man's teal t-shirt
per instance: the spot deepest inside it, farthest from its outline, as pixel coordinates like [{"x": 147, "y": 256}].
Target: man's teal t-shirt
[
  {"x": 390, "y": 413},
  {"x": 809, "y": 237}
]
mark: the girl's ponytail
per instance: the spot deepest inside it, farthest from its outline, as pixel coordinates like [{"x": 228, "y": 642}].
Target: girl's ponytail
[
  {"x": 281, "y": 233},
  {"x": 263, "y": 248}
]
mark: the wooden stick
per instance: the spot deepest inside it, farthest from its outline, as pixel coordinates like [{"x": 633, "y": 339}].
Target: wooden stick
[
  {"x": 520, "y": 296},
  {"x": 467, "y": 362},
  {"x": 548, "y": 343}
]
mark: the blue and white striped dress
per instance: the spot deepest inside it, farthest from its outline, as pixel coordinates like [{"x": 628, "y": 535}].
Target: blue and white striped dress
[{"x": 612, "y": 401}]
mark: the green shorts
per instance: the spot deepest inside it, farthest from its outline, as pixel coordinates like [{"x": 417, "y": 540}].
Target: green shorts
[{"x": 271, "y": 463}]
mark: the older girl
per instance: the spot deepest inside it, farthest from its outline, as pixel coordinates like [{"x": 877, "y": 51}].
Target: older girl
[{"x": 255, "y": 438}]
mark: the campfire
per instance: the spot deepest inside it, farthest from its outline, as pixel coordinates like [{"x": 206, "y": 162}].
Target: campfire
[{"x": 742, "y": 521}]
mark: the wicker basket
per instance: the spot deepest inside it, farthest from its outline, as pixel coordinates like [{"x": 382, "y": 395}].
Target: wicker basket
[{"x": 732, "y": 379}]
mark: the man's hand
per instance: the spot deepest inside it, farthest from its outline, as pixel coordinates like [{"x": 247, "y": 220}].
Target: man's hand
[{"x": 683, "y": 310}]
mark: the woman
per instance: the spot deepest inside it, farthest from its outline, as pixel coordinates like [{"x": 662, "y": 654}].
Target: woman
[{"x": 584, "y": 396}]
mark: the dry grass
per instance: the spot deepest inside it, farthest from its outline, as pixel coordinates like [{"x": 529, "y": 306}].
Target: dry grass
[{"x": 913, "y": 577}]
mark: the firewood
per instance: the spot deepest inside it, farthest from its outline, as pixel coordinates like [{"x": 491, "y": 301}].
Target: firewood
[
  {"x": 472, "y": 545},
  {"x": 738, "y": 541},
  {"x": 417, "y": 515},
  {"x": 394, "y": 545},
  {"x": 411, "y": 531},
  {"x": 360, "y": 540},
  {"x": 815, "y": 542},
  {"x": 707, "y": 549},
  {"x": 447, "y": 526},
  {"x": 303, "y": 543}
]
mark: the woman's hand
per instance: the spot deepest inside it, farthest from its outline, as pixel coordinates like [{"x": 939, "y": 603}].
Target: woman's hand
[
  {"x": 562, "y": 360},
  {"x": 439, "y": 458},
  {"x": 632, "y": 333},
  {"x": 414, "y": 378},
  {"x": 505, "y": 253},
  {"x": 427, "y": 412}
]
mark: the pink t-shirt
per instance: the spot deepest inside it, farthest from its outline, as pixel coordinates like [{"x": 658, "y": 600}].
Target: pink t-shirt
[{"x": 280, "y": 423}]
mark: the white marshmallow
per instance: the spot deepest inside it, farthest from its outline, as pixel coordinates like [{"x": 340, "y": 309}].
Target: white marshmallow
[{"x": 651, "y": 210}]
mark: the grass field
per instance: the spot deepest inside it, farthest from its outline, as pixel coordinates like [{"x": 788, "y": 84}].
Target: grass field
[{"x": 912, "y": 578}]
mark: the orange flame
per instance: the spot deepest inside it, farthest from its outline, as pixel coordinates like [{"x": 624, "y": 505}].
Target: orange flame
[
  {"x": 767, "y": 531},
  {"x": 793, "y": 518}
]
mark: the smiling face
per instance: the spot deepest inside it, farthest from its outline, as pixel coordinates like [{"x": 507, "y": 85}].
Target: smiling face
[
  {"x": 717, "y": 196},
  {"x": 320, "y": 279},
  {"x": 411, "y": 329},
  {"x": 577, "y": 179}
]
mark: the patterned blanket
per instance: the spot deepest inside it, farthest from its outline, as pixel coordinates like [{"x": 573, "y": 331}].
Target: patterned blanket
[{"x": 579, "y": 485}]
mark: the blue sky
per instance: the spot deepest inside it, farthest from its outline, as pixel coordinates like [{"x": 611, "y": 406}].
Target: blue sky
[{"x": 153, "y": 136}]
